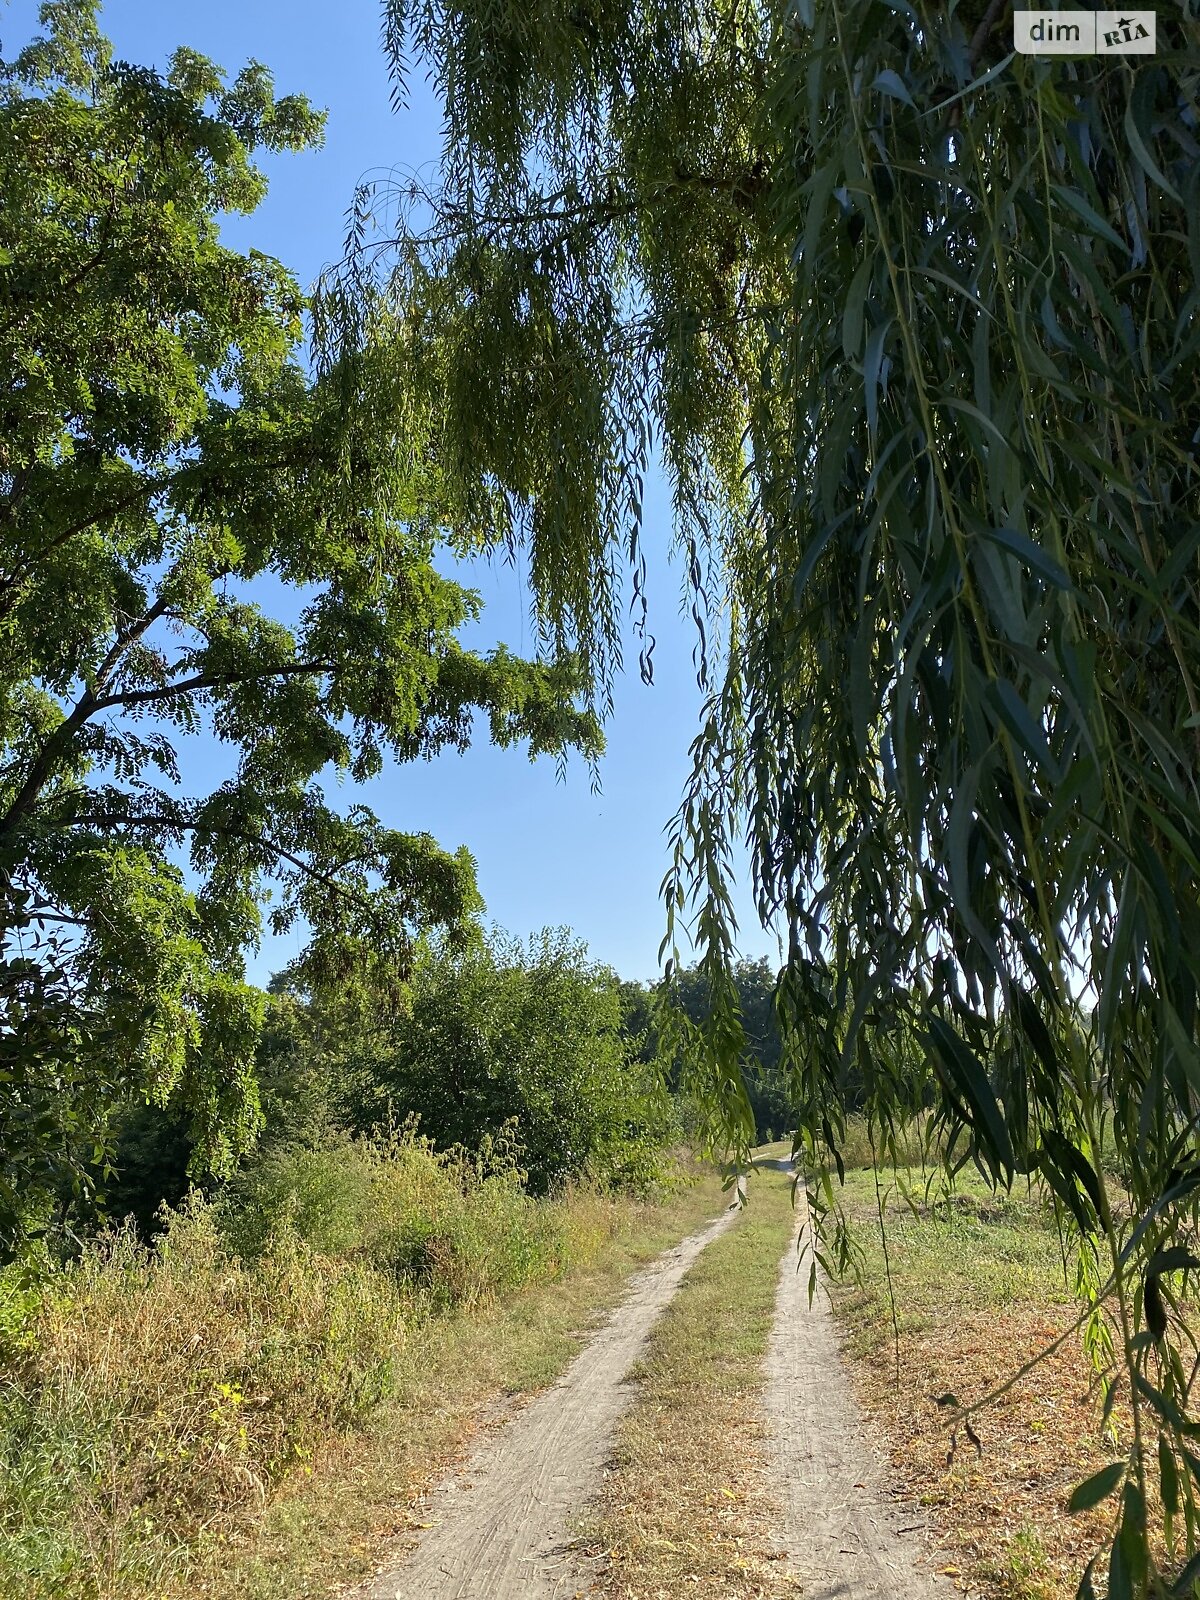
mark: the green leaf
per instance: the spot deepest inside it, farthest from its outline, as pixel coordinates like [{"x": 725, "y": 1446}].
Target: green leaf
[
  {"x": 812, "y": 555},
  {"x": 1137, "y": 131},
  {"x": 1034, "y": 557},
  {"x": 1098, "y": 1487},
  {"x": 1172, "y": 1258},
  {"x": 892, "y": 83},
  {"x": 970, "y": 409},
  {"x": 854, "y": 309},
  {"x": 1076, "y": 202},
  {"x": 1071, "y": 1159},
  {"x": 1168, "y": 1478},
  {"x": 818, "y": 190},
  {"x": 1029, "y": 1019},
  {"x": 972, "y": 1081},
  {"x": 872, "y": 364},
  {"x": 1086, "y": 1589},
  {"x": 1130, "y": 1546},
  {"x": 1193, "y": 1463},
  {"x": 1161, "y": 1403},
  {"x": 862, "y": 700},
  {"x": 1183, "y": 1585},
  {"x": 1017, "y": 718},
  {"x": 1120, "y": 1578}
]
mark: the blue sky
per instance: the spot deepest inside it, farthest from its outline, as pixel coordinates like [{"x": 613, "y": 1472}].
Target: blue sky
[{"x": 548, "y": 852}]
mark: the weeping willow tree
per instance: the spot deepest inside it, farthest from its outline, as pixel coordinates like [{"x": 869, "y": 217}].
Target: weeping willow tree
[{"x": 911, "y": 324}]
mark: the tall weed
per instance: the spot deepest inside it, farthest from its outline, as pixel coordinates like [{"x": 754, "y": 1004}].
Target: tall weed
[{"x": 151, "y": 1392}]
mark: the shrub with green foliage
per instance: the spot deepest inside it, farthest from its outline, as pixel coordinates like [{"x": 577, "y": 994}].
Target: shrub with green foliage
[
  {"x": 525, "y": 1050},
  {"x": 458, "y": 1229},
  {"x": 529, "y": 1036}
]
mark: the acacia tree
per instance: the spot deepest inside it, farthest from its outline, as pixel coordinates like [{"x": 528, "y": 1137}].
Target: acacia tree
[
  {"x": 912, "y": 323},
  {"x": 195, "y": 535}
]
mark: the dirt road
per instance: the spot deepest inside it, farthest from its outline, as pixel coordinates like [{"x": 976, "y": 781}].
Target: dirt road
[
  {"x": 845, "y": 1537},
  {"x": 501, "y": 1529}
]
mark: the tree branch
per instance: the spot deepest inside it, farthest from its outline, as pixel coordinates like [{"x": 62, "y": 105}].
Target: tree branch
[
  {"x": 326, "y": 878},
  {"x": 90, "y": 702},
  {"x": 131, "y": 635},
  {"x": 980, "y": 37},
  {"x": 145, "y": 489},
  {"x": 210, "y": 680}
]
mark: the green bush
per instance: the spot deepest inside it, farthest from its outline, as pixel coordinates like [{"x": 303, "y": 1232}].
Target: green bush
[
  {"x": 151, "y": 1157},
  {"x": 530, "y": 1037},
  {"x": 454, "y": 1227}
]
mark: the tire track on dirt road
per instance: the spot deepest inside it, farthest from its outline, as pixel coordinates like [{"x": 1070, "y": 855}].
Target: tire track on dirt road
[
  {"x": 845, "y": 1537},
  {"x": 502, "y": 1526}
]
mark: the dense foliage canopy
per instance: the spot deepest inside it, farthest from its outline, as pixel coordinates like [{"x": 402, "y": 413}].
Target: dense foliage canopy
[
  {"x": 522, "y": 1040},
  {"x": 911, "y": 322},
  {"x": 196, "y": 539},
  {"x": 761, "y": 1064},
  {"x": 525, "y": 1052}
]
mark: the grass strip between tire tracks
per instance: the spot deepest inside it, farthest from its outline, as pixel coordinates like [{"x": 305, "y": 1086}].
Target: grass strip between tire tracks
[{"x": 687, "y": 1508}]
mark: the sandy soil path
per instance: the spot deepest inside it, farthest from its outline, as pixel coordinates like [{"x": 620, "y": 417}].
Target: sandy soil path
[
  {"x": 502, "y": 1527},
  {"x": 846, "y": 1538}
]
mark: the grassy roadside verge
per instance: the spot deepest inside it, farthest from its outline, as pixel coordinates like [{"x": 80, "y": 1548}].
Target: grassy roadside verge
[
  {"x": 252, "y": 1405},
  {"x": 327, "y": 1529},
  {"x": 979, "y": 1289},
  {"x": 686, "y": 1508}
]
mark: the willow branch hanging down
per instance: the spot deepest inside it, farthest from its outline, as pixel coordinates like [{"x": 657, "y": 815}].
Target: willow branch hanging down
[{"x": 911, "y": 324}]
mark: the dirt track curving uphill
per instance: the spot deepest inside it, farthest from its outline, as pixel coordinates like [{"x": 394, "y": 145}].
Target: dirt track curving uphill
[{"x": 502, "y": 1526}]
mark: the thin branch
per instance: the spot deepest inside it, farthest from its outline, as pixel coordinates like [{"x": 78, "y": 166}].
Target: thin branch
[
  {"x": 211, "y": 680},
  {"x": 72, "y": 282},
  {"x": 146, "y": 489},
  {"x": 456, "y": 222},
  {"x": 130, "y": 635},
  {"x": 91, "y": 702},
  {"x": 986, "y": 23},
  {"x": 327, "y": 878}
]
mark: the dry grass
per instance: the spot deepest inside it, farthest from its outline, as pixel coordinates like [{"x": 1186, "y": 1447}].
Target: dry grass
[
  {"x": 979, "y": 1290},
  {"x": 322, "y": 1532},
  {"x": 184, "y": 1422},
  {"x": 686, "y": 1508},
  {"x": 908, "y": 1141}
]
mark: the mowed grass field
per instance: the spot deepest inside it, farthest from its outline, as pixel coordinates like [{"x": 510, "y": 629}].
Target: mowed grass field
[{"x": 979, "y": 1287}]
